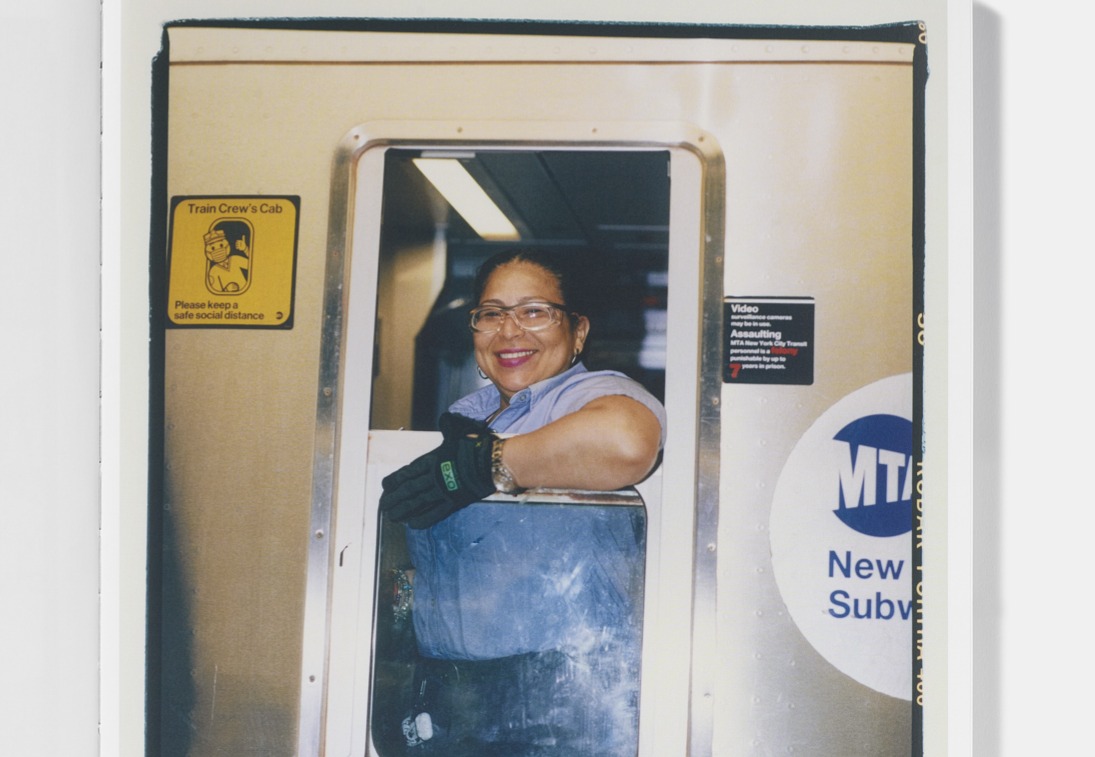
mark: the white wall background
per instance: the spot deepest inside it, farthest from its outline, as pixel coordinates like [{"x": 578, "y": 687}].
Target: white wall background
[
  {"x": 49, "y": 382},
  {"x": 1031, "y": 403},
  {"x": 1034, "y": 405}
]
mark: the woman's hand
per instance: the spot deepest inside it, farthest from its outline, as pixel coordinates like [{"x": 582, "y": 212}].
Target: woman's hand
[
  {"x": 451, "y": 477},
  {"x": 611, "y": 442}
]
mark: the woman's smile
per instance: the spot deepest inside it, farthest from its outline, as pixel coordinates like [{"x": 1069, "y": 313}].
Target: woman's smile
[{"x": 513, "y": 358}]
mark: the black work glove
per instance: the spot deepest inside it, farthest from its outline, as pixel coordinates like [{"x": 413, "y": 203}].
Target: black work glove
[{"x": 449, "y": 478}]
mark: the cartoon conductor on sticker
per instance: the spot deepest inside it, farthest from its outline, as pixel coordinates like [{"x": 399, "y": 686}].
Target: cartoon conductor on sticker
[{"x": 228, "y": 255}]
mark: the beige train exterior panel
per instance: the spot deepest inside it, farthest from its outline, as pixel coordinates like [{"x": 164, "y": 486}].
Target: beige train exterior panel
[{"x": 819, "y": 192}]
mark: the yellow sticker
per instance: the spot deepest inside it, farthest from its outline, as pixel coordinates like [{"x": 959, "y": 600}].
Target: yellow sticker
[{"x": 232, "y": 261}]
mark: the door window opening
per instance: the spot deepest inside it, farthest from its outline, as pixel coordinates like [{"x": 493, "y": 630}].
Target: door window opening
[
  {"x": 611, "y": 211},
  {"x": 609, "y": 208},
  {"x": 390, "y": 270}
]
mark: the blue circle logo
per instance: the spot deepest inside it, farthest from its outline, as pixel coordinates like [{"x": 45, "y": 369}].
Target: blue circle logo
[{"x": 875, "y": 477}]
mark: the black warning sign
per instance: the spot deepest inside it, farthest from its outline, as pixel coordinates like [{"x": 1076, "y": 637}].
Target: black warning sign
[{"x": 768, "y": 340}]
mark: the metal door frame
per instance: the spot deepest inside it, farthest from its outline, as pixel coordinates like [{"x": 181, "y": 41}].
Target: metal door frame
[{"x": 338, "y": 404}]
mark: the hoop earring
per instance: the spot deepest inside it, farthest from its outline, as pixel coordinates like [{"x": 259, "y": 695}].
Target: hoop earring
[{"x": 479, "y": 370}]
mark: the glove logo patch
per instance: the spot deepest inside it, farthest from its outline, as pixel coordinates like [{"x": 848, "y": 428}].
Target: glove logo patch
[{"x": 450, "y": 476}]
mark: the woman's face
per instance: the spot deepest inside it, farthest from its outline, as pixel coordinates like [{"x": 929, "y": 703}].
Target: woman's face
[{"x": 514, "y": 359}]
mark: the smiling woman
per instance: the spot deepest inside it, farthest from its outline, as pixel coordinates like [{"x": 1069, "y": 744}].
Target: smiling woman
[
  {"x": 615, "y": 440},
  {"x": 525, "y": 615}
]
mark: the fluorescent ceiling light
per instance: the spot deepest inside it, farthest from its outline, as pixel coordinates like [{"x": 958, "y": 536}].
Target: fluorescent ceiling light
[{"x": 463, "y": 192}]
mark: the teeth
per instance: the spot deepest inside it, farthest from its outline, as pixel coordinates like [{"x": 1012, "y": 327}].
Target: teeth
[{"x": 514, "y": 355}]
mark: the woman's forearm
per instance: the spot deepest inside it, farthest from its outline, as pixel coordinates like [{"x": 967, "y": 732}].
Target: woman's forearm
[{"x": 610, "y": 443}]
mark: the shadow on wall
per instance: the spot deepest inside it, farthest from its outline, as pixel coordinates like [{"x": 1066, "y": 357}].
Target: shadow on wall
[{"x": 172, "y": 678}]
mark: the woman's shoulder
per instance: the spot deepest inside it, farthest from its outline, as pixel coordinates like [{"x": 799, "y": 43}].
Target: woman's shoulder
[
  {"x": 584, "y": 386},
  {"x": 600, "y": 380}
]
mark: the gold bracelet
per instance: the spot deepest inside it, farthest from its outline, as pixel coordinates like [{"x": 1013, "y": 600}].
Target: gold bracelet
[{"x": 503, "y": 478}]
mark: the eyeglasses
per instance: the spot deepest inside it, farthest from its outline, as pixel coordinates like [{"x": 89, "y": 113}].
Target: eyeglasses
[{"x": 530, "y": 316}]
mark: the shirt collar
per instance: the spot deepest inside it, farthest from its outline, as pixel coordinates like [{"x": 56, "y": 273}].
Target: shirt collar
[
  {"x": 482, "y": 403},
  {"x": 540, "y": 388}
]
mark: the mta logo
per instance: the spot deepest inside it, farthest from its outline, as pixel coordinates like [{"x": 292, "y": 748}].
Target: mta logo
[{"x": 876, "y": 475}]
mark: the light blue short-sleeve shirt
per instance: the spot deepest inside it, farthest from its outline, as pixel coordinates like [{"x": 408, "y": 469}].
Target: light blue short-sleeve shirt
[{"x": 499, "y": 579}]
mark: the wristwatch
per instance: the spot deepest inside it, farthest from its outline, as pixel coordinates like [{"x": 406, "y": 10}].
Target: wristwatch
[{"x": 503, "y": 478}]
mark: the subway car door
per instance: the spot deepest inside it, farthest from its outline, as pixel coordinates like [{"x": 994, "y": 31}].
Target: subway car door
[{"x": 400, "y": 291}]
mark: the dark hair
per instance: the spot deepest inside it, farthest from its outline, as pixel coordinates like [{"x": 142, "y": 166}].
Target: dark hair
[{"x": 562, "y": 266}]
